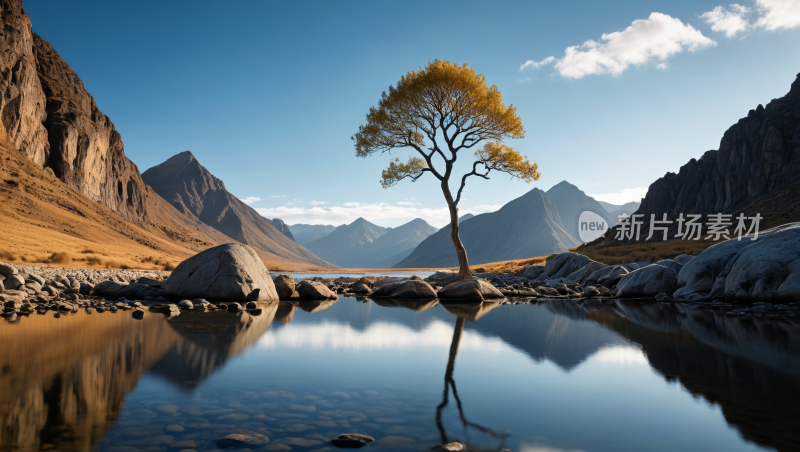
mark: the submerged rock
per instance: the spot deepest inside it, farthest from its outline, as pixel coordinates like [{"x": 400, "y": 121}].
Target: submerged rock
[
  {"x": 231, "y": 271},
  {"x": 352, "y": 440}
]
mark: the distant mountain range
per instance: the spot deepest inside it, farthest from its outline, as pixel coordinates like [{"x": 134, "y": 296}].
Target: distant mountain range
[
  {"x": 525, "y": 227},
  {"x": 306, "y": 233},
  {"x": 193, "y": 190},
  {"x": 620, "y": 210},
  {"x": 362, "y": 244}
]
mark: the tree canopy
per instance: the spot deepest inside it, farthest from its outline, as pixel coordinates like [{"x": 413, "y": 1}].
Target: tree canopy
[{"x": 440, "y": 110}]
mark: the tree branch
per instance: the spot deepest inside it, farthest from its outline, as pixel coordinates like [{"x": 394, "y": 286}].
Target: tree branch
[{"x": 473, "y": 173}]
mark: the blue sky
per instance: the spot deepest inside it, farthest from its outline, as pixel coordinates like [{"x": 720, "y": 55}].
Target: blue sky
[{"x": 268, "y": 94}]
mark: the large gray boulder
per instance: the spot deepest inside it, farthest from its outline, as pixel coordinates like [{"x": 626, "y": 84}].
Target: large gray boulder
[
  {"x": 683, "y": 259},
  {"x": 584, "y": 272},
  {"x": 648, "y": 281},
  {"x": 766, "y": 269},
  {"x": 532, "y": 271},
  {"x": 406, "y": 289},
  {"x": 231, "y": 271},
  {"x": 607, "y": 276},
  {"x": 698, "y": 275},
  {"x": 563, "y": 264},
  {"x": 670, "y": 264},
  {"x": 314, "y": 290},
  {"x": 470, "y": 289}
]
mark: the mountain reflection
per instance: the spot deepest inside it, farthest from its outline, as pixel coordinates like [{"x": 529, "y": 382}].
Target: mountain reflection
[{"x": 65, "y": 380}]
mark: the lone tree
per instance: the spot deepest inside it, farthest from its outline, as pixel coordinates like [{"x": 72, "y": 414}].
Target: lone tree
[{"x": 439, "y": 111}]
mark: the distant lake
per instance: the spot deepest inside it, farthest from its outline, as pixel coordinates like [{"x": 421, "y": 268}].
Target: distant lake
[
  {"x": 300, "y": 276},
  {"x": 553, "y": 376}
]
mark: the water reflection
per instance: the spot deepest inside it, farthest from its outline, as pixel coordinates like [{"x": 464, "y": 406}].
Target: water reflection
[{"x": 65, "y": 381}]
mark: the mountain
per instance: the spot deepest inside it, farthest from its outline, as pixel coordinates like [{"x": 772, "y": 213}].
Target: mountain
[
  {"x": 393, "y": 246},
  {"x": 525, "y": 227},
  {"x": 282, "y": 227},
  {"x": 306, "y": 233},
  {"x": 344, "y": 245},
  {"x": 571, "y": 202},
  {"x": 755, "y": 170},
  {"x": 624, "y": 210},
  {"x": 65, "y": 158},
  {"x": 193, "y": 190}
]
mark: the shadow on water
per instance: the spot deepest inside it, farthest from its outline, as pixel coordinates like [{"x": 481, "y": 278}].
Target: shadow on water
[{"x": 64, "y": 381}]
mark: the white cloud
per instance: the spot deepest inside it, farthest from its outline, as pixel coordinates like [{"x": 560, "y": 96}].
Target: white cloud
[
  {"x": 251, "y": 199},
  {"x": 728, "y": 22},
  {"x": 378, "y": 336},
  {"x": 318, "y": 203},
  {"x": 646, "y": 40},
  {"x": 663, "y": 66},
  {"x": 621, "y": 197},
  {"x": 524, "y": 80},
  {"x": 379, "y": 213},
  {"x": 278, "y": 196},
  {"x": 778, "y": 14},
  {"x": 537, "y": 65},
  {"x": 403, "y": 203}
]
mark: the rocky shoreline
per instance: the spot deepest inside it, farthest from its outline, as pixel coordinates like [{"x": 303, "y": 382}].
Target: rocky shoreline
[{"x": 736, "y": 277}]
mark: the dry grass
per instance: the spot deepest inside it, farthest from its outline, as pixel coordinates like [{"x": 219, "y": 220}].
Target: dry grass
[
  {"x": 60, "y": 259},
  {"x": 649, "y": 252},
  {"x": 8, "y": 256},
  {"x": 94, "y": 261},
  {"x": 168, "y": 267},
  {"x": 506, "y": 266}
]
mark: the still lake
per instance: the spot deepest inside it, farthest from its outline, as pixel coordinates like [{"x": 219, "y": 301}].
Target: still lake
[{"x": 546, "y": 376}]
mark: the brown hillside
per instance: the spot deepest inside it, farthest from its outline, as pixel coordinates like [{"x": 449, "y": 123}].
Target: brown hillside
[{"x": 41, "y": 215}]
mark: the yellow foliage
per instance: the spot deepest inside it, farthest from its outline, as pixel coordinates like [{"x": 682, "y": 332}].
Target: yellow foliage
[
  {"x": 441, "y": 98},
  {"x": 499, "y": 157},
  {"x": 398, "y": 171}
]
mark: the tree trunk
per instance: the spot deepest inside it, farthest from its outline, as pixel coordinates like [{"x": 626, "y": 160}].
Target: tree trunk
[{"x": 463, "y": 263}]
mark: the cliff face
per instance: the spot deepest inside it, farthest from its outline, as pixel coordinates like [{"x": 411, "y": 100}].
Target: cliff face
[
  {"x": 53, "y": 121},
  {"x": 85, "y": 150},
  {"x": 755, "y": 170},
  {"x": 757, "y": 155}
]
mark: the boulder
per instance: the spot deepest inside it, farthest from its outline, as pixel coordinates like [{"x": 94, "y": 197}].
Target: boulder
[
  {"x": 648, "y": 281},
  {"x": 284, "y": 286},
  {"x": 351, "y": 440},
  {"x": 699, "y": 274},
  {"x": 532, "y": 271},
  {"x": 362, "y": 286},
  {"x": 470, "y": 289},
  {"x": 7, "y": 270},
  {"x": 13, "y": 282},
  {"x": 607, "y": 275},
  {"x": 231, "y": 271},
  {"x": 670, "y": 264},
  {"x": 683, "y": 259},
  {"x": 113, "y": 289},
  {"x": 584, "y": 272},
  {"x": 565, "y": 263},
  {"x": 441, "y": 278},
  {"x": 765, "y": 269},
  {"x": 406, "y": 289},
  {"x": 314, "y": 290}
]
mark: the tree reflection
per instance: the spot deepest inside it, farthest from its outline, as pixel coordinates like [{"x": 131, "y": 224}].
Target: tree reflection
[{"x": 450, "y": 384}]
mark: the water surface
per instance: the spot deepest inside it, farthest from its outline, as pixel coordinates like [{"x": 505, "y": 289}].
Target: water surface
[{"x": 555, "y": 375}]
